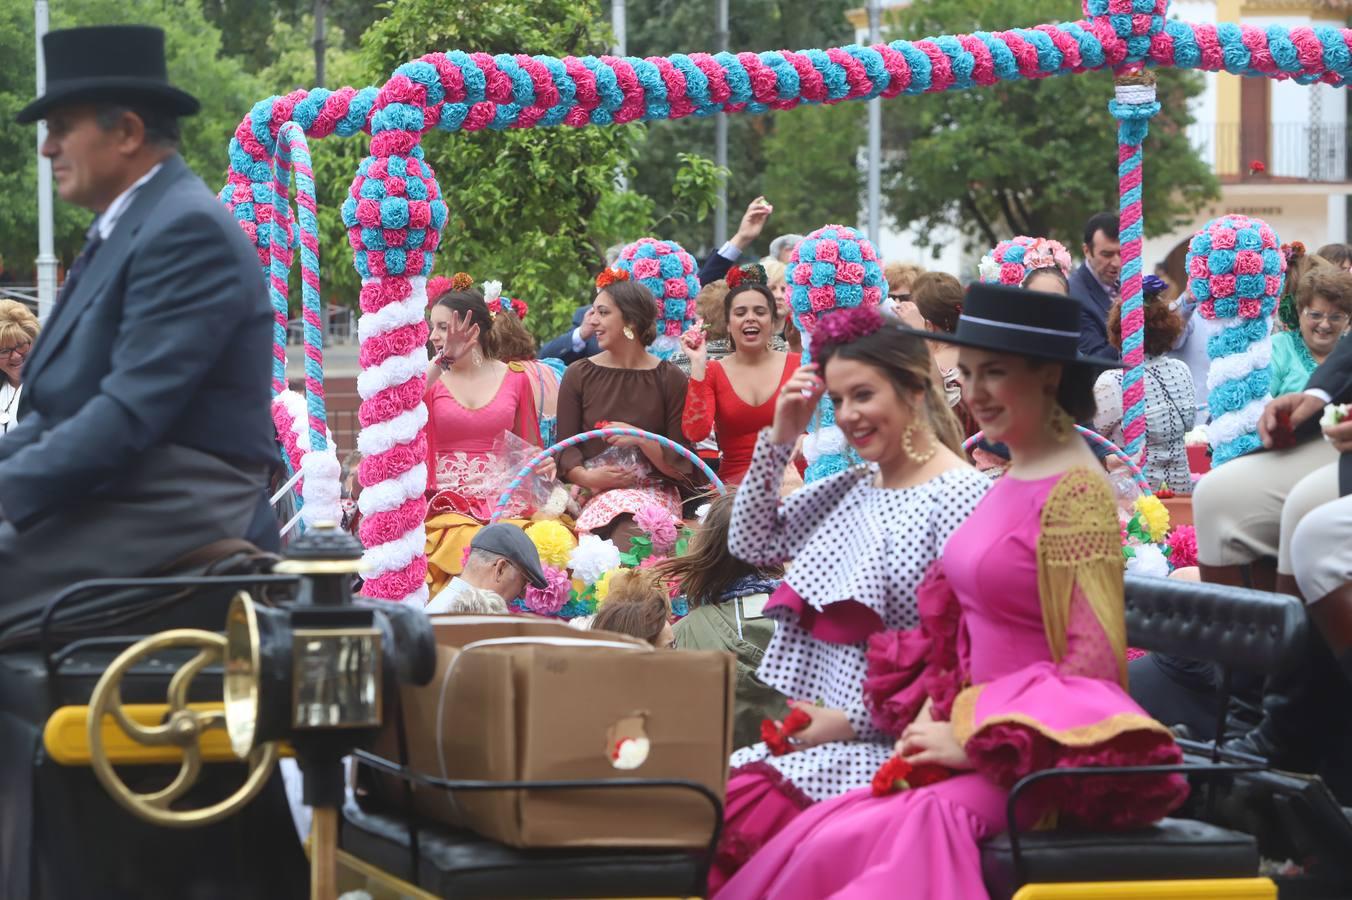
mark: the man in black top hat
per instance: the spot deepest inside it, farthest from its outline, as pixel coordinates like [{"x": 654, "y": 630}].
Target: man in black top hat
[{"x": 145, "y": 433}]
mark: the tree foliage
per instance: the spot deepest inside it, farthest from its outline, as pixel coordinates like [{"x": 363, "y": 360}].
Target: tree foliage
[
  {"x": 223, "y": 84},
  {"x": 1033, "y": 158}
]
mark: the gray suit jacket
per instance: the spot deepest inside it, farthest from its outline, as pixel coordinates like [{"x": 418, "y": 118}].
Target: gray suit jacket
[{"x": 165, "y": 340}]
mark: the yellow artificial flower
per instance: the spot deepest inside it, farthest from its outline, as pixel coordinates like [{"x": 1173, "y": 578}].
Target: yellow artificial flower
[
  {"x": 1154, "y": 515},
  {"x": 554, "y": 542},
  {"x": 603, "y": 585}
]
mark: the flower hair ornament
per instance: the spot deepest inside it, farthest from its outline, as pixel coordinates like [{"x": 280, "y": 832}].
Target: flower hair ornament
[
  {"x": 1011, "y": 261},
  {"x": 462, "y": 281},
  {"x": 754, "y": 273},
  {"x": 610, "y": 276},
  {"x": 1293, "y": 251},
  {"x": 497, "y": 303},
  {"x": 1152, "y": 286},
  {"x": 844, "y": 326}
]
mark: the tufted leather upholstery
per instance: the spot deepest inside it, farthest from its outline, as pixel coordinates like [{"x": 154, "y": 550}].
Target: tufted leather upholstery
[
  {"x": 1254, "y": 631},
  {"x": 1169, "y": 849},
  {"x": 457, "y": 863}
]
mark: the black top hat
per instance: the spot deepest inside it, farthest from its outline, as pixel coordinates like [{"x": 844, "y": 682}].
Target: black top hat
[
  {"x": 1006, "y": 319},
  {"x": 120, "y": 63}
]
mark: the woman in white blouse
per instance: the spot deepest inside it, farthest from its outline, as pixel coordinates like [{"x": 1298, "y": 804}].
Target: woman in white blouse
[
  {"x": 1170, "y": 396},
  {"x": 18, "y": 331}
]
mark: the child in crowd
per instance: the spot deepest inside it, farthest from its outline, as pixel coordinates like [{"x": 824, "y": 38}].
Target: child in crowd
[{"x": 637, "y": 604}]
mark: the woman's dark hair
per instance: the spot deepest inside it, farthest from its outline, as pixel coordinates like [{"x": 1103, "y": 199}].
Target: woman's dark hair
[
  {"x": 905, "y": 359},
  {"x": 1075, "y": 393},
  {"x": 1162, "y": 327},
  {"x": 636, "y": 604},
  {"x": 709, "y": 569},
  {"x": 1053, "y": 271},
  {"x": 472, "y": 302},
  {"x": 761, "y": 289},
  {"x": 1338, "y": 254},
  {"x": 513, "y": 341},
  {"x": 637, "y": 308},
  {"x": 938, "y": 297}
]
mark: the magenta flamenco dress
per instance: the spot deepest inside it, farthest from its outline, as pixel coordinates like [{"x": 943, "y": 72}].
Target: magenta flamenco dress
[{"x": 1025, "y": 618}]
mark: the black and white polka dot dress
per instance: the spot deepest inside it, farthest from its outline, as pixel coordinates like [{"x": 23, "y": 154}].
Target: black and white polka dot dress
[{"x": 847, "y": 540}]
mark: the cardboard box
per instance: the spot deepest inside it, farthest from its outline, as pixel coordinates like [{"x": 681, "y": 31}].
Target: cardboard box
[{"x": 520, "y": 698}]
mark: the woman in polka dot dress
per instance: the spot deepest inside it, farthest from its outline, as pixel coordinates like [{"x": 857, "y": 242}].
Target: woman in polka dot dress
[
  {"x": 1026, "y": 660},
  {"x": 860, "y": 542}
]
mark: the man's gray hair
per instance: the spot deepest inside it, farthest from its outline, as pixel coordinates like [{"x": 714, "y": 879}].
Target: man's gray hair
[
  {"x": 161, "y": 127},
  {"x": 477, "y": 600},
  {"x": 784, "y": 241}
]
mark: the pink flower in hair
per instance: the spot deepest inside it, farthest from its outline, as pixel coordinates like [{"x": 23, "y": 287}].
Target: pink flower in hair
[
  {"x": 1011, "y": 273},
  {"x": 846, "y": 325}
]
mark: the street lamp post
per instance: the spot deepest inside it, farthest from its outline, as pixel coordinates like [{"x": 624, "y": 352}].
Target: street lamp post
[{"x": 46, "y": 261}]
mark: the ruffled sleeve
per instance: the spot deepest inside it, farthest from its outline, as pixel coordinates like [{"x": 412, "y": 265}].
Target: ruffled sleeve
[
  {"x": 701, "y": 406},
  {"x": 1108, "y": 404},
  {"x": 1073, "y": 710}
]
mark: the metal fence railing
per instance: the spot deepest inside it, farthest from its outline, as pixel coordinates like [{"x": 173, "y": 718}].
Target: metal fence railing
[{"x": 1298, "y": 150}]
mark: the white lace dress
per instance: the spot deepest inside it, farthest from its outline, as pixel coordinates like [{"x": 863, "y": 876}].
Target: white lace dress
[{"x": 858, "y": 552}]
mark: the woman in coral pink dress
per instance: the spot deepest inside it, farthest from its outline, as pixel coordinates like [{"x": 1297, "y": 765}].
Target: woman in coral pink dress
[
  {"x": 1026, "y": 666},
  {"x": 473, "y": 400},
  {"x": 735, "y": 397}
]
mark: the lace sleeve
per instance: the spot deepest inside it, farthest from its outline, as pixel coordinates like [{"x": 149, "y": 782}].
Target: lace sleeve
[
  {"x": 1108, "y": 405},
  {"x": 1079, "y": 573},
  {"x": 701, "y": 407}
]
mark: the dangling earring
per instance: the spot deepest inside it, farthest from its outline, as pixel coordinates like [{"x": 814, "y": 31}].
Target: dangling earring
[
  {"x": 1060, "y": 423},
  {"x": 629, "y": 332},
  {"x": 476, "y": 357},
  {"x": 908, "y": 447}
]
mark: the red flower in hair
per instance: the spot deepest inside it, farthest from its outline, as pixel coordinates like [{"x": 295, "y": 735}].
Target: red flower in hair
[
  {"x": 754, "y": 273},
  {"x": 610, "y": 276}
]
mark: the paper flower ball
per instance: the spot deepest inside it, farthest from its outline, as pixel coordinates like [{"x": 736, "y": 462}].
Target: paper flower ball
[
  {"x": 592, "y": 558},
  {"x": 1134, "y": 21},
  {"x": 670, "y": 273},
  {"x": 1148, "y": 560},
  {"x": 394, "y": 215},
  {"x": 1011, "y": 261},
  {"x": 553, "y": 541},
  {"x": 834, "y": 267}
]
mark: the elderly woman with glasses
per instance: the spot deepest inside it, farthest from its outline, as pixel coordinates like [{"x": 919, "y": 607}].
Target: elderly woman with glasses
[
  {"x": 18, "y": 331},
  {"x": 1324, "y": 307}
]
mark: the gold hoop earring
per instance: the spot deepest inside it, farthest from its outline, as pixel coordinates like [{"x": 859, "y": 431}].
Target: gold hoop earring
[
  {"x": 1060, "y": 423},
  {"x": 629, "y": 332},
  {"x": 908, "y": 447}
]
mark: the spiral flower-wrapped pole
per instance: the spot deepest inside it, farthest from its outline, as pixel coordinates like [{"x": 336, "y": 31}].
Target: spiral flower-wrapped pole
[
  {"x": 1134, "y": 107},
  {"x": 394, "y": 215}
]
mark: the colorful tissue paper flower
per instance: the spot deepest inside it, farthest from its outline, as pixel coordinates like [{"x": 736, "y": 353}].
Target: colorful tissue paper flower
[
  {"x": 1147, "y": 560},
  {"x": 1182, "y": 543},
  {"x": 1155, "y": 515},
  {"x": 1011, "y": 261},
  {"x": 553, "y": 541},
  {"x": 592, "y": 558},
  {"x": 603, "y": 585},
  {"x": 550, "y": 599},
  {"x": 659, "y": 525},
  {"x": 666, "y": 269}
]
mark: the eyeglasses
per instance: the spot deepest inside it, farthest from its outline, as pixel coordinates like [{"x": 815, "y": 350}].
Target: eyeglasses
[
  {"x": 8, "y": 352},
  {"x": 1337, "y": 320}
]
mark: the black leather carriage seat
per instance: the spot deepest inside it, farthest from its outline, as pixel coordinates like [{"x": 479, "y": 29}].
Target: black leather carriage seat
[
  {"x": 1237, "y": 628},
  {"x": 461, "y": 864}
]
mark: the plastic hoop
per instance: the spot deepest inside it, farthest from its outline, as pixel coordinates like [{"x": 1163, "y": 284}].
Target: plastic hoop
[
  {"x": 1094, "y": 438},
  {"x": 585, "y": 436}
]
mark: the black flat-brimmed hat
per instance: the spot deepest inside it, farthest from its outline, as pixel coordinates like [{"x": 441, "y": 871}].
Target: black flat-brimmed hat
[
  {"x": 119, "y": 63},
  {"x": 1006, "y": 319}
]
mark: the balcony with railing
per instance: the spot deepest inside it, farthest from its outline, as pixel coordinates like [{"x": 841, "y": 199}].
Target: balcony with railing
[{"x": 1243, "y": 152}]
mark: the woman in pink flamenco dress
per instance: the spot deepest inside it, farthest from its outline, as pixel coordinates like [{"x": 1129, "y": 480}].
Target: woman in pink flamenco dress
[
  {"x": 472, "y": 400},
  {"x": 861, "y": 542},
  {"x": 1026, "y": 666}
]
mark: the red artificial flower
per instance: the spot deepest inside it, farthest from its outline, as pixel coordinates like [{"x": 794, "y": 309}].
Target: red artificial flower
[
  {"x": 776, "y": 735},
  {"x": 734, "y": 276},
  {"x": 898, "y": 775},
  {"x": 1283, "y": 436},
  {"x": 610, "y": 276},
  {"x": 1256, "y": 167}
]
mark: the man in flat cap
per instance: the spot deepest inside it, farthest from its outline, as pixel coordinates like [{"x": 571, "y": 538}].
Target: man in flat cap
[{"x": 144, "y": 433}]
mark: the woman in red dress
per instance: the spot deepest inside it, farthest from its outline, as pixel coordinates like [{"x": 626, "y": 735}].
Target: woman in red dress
[{"x": 735, "y": 397}]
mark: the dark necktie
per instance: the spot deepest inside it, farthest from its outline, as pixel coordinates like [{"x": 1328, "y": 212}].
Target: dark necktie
[{"x": 77, "y": 268}]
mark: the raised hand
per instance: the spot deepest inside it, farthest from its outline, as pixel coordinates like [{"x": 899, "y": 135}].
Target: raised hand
[
  {"x": 1294, "y": 408},
  {"x": 461, "y": 335},
  {"x": 796, "y": 404}
]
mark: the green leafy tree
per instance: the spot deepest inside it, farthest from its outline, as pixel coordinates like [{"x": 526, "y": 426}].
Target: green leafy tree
[
  {"x": 1034, "y": 157},
  {"x": 812, "y": 173},
  {"x": 224, "y": 86},
  {"x": 534, "y": 209}
]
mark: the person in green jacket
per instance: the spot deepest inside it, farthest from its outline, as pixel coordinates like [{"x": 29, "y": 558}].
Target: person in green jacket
[
  {"x": 1323, "y": 307},
  {"x": 726, "y": 597}
]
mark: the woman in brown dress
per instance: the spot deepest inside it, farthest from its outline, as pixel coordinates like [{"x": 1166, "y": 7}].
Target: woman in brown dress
[{"x": 627, "y": 387}]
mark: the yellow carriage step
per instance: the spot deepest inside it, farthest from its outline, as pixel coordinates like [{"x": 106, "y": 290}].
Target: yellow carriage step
[
  {"x": 1199, "y": 889},
  {"x": 66, "y": 737}
]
